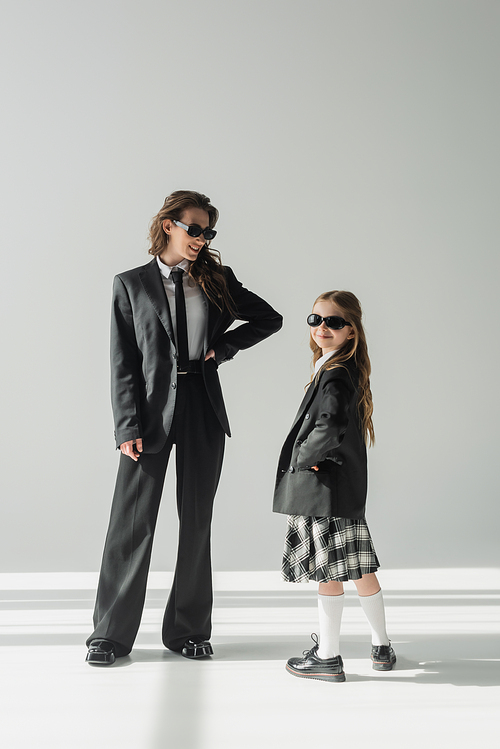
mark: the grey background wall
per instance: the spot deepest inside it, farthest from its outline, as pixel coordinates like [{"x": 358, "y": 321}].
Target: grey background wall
[{"x": 348, "y": 145}]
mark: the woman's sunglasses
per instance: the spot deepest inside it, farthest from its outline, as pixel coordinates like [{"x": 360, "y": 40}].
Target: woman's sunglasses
[
  {"x": 333, "y": 322},
  {"x": 194, "y": 230}
]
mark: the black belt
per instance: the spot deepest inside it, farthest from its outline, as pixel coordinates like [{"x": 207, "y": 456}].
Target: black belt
[{"x": 192, "y": 367}]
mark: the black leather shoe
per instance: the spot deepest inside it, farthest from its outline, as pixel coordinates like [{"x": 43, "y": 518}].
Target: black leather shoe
[
  {"x": 383, "y": 657},
  {"x": 196, "y": 649},
  {"x": 101, "y": 653},
  {"x": 312, "y": 667}
]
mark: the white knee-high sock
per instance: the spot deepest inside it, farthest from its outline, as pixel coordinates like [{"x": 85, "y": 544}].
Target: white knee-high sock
[
  {"x": 373, "y": 606},
  {"x": 330, "y": 616}
]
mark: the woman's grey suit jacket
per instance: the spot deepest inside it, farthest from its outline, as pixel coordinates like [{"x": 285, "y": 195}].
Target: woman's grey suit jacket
[{"x": 143, "y": 351}]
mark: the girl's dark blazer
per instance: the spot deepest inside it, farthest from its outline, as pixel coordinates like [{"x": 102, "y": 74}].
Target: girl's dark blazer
[
  {"x": 327, "y": 433},
  {"x": 143, "y": 351}
]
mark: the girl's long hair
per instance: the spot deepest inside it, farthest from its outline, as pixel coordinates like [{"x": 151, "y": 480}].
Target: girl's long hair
[
  {"x": 207, "y": 269},
  {"x": 356, "y": 348}
]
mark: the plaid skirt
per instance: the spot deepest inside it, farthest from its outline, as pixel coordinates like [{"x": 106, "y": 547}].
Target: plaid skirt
[{"x": 326, "y": 549}]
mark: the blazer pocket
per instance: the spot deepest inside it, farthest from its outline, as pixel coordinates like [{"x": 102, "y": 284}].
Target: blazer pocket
[{"x": 214, "y": 363}]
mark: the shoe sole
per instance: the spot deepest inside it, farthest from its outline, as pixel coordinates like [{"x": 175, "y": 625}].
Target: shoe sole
[
  {"x": 93, "y": 662},
  {"x": 318, "y": 676},
  {"x": 383, "y": 665}
]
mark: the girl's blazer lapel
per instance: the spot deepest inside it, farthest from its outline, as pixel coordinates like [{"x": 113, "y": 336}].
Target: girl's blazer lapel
[
  {"x": 153, "y": 286},
  {"x": 306, "y": 402}
]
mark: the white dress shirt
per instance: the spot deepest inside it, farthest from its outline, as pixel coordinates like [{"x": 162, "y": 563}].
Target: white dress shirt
[
  {"x": 196, "y": 307},
  {"x": 322, "y": 360}
]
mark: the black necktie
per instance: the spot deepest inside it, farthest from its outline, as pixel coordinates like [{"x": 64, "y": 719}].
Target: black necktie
[{"x": 181, "y": 320}]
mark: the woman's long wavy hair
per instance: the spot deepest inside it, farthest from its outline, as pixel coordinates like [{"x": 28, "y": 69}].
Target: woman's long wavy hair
[
  {"x": 356, "y": 348},
  {"x": 207, "y": 269}
]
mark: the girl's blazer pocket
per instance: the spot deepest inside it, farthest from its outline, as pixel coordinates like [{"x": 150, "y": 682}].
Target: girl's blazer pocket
[{"x": 324, "y": 466}]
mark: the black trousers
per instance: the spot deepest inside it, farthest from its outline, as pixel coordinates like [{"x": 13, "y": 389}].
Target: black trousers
[{"x": 199, "y": 440}]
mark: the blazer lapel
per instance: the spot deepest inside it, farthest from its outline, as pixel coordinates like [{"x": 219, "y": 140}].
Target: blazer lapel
[
  {"x": 215, "y": 318},
  {"x": 306, "y": 402},
  {"x": 212, "y": 319},
  {"x": 153, "y": 286}
]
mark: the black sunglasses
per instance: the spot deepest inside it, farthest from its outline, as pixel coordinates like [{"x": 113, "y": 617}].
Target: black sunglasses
[
  {"x": 333, "y": 322},
  {"x": 194, "y": 230}
]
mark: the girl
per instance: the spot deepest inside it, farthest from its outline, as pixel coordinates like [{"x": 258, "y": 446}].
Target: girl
[
  {"x": 322, "y": 482},
  {"x": 169, "y": 334}
]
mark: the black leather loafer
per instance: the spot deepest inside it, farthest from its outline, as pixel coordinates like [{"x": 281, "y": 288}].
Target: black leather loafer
[
  {"x": 101, "y": 653},
  {"x": 312, "y": 667},
  {"x": 192, "y": 649},
  {"x": 383, "y": 657}
]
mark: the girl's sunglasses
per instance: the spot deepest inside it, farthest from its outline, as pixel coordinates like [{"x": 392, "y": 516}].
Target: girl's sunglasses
[
  {"x": 194, "y": 230},
  {"x": 333, "y": 322}
]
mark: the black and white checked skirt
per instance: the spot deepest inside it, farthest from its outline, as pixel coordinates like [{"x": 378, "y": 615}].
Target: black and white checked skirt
[{"x": 326, "y": 549}]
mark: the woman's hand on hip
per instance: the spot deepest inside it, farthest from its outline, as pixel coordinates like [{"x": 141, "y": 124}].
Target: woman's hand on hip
[
  {"x": 128, "y": 448},
  {"x": 210, "y": 354}
]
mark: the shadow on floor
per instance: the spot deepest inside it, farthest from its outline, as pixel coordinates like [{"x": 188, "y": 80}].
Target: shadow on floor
[{"x": 428, "y": 660}]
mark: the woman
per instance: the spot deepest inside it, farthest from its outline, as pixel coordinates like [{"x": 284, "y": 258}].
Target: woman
[{"x": 169, "y": 334}]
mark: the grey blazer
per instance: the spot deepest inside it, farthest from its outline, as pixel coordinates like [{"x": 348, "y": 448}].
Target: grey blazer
[
  {"x": 326, "y": 433},
  {"x": 143, "y": 351}
]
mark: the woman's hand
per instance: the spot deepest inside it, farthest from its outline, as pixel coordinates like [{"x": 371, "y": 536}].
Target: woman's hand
[
  {"x": 210, "y": 354},
  {"x": 127, "y": 448},
  {"x": 315, "y": 468}
]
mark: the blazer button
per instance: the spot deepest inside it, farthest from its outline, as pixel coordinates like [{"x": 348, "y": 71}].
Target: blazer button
[
  {"x": 291, "y": 469},
  {"x": 299, "y": 442},
  {"x": 174, "y": 385},
  {"x": 307, "y": 416}
]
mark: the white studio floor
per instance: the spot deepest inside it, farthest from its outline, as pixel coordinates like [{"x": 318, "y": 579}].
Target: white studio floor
[{"x": 444, "y": 691}]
